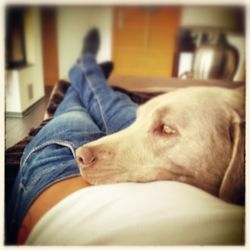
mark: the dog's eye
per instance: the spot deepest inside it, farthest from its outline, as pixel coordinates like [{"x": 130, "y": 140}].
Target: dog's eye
[{"x": 168, "y": 130}]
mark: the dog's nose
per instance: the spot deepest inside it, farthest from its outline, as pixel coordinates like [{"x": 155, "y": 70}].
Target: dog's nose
[{"x": 84, "y": 157}]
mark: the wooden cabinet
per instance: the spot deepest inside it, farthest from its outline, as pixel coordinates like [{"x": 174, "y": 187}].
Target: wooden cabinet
[
  {"x": 144, "y": 40},
  {"x": 50, "y": 46}
]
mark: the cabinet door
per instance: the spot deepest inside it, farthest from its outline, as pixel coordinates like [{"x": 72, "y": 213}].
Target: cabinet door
[{"x": 144, "y": 40}]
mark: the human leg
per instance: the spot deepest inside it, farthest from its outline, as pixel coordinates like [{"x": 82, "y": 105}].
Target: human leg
[
  {"x": 111, "y": 110},
  {"x": 71, "y": 99},
  {"x": 49, "y": 158},
  {"x": 50, "y": 155}
]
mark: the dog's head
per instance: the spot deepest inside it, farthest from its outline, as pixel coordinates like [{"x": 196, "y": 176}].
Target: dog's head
[{"x": 193, "y": 135}]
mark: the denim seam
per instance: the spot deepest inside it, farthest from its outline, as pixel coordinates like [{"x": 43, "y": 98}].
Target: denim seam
[
  {"x": 59, "y": 142},
  {"x": 95, "y": 95}
]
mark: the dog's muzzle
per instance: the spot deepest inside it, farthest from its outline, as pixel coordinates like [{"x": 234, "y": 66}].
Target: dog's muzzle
[{"x": 84, "y": 157}]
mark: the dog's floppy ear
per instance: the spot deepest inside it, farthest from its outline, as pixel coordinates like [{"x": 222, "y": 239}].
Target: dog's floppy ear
[{"x": 232, "y": 188}]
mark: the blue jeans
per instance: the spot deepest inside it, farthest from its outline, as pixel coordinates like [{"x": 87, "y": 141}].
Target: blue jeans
[{"x": 90, "y": 109}]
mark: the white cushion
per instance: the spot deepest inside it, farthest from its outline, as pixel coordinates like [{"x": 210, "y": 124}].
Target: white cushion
[{"x": 156, "y": 213}]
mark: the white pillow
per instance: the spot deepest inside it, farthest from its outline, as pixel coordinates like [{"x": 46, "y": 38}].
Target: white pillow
[{"x": 156, "y": 213}]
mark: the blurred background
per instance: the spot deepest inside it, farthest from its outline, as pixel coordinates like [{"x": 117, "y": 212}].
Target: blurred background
[{"x": 183, "y": 42}]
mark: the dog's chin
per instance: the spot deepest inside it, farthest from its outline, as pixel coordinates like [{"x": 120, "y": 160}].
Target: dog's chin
[
  {"x": 108, "y": 175},
  {"x": 104, "y": 175},
  {"x": 104, "y": 179}
]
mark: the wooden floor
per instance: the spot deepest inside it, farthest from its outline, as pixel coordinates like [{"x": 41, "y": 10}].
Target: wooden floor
[{"x": 17, "y": 128}]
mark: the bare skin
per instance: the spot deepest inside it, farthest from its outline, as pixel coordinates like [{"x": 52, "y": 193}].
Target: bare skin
[{"x": 46, "y": 200}]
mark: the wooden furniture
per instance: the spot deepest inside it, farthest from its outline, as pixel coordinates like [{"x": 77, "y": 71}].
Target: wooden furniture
[
  {"x": 164, "y": 84},
  {"x": 49, "y": 45},
  {"x": 144, "y": 40}
]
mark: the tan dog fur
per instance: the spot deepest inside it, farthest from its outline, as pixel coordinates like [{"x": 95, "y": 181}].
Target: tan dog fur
[{"x": 193, "y": 135}]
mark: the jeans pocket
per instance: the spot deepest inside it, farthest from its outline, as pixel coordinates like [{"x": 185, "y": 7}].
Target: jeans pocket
[
  {"x": 62, "y": 143},
  {"x": 45, "y": 157}
]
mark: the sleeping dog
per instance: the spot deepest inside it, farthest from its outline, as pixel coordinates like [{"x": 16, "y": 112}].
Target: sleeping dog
[{"x": 193, "y": 135}]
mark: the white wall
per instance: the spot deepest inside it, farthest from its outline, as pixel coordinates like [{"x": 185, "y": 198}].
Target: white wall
[
  {"x": 33, "y": 40},
  {"x": 209, "y": 16},
  {"x": 238, "y": 41},
  {"x": 12, "y": 92},
  {"x": 72, "y": 24},
  {"x": 20, "y": 81}
]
